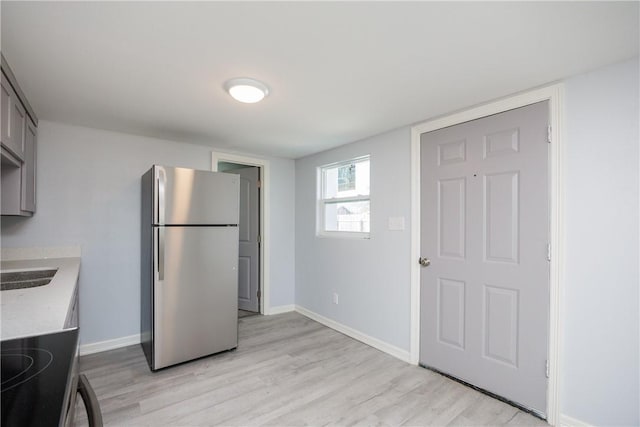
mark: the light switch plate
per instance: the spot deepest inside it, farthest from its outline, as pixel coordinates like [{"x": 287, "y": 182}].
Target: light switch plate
[{"x": 396, "y": 223}]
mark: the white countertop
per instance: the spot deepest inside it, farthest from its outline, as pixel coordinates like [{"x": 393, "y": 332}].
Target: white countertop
[{"x": 42, "y": 309}]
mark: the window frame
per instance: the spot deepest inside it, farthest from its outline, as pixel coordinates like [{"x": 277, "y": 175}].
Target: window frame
[{"x": 322, "y": 202}]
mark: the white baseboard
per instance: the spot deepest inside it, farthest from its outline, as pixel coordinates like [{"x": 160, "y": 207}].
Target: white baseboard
[
  {"x": 364, "y": 338},
  {"x": 280, "y": 309},
  {"x": 567, "y": 421},
  {"x": 115, "y": 343},
  {"x": 401, "y": 354},
  {"x": 97, "y": 347}
]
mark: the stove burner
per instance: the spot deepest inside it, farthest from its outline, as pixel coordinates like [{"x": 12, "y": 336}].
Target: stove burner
[
  {"x": 36, "y": 378},
  {"x": 19, "y": 366},
  {"x": 6, "y": 358}
]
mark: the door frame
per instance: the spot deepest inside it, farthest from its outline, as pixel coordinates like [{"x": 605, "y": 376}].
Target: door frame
[
  {"x": 265, "y": 181},
  {"x": 554, "y": 94}
]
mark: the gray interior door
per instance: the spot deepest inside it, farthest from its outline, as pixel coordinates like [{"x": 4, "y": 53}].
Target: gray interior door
[
  {"x": 485, "y": 228},
  {"x": 196, "y": 292},
  {"x": 249, "y": 227}
]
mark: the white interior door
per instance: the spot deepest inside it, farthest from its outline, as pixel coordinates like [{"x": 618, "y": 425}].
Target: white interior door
[
  {"x": 485, "y": 228},
  {"x": 249, "y": 227}
]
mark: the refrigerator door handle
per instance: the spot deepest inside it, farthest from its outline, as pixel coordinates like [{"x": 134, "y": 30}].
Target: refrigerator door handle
[
  {"x": 161, "y": 180},
  {"x": 160, "y": 253}
]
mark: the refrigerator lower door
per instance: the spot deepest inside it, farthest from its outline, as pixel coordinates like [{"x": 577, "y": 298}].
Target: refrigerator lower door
[{"x": 195, "y": 293}]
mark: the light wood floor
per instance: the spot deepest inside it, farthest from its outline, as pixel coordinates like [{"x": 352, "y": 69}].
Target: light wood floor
[
  {"x": 287, "y": 371},
  {"x": 244, "y": 313}
]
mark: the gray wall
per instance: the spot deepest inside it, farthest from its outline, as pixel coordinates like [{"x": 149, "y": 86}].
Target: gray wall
[
  {"x": 282, "y": 202},
  {"x": 89, "y": 195},
  {"x": 371, "y": 276},
  {"x": 601, "y": 312},
  {"x": 601, "y": 340}
]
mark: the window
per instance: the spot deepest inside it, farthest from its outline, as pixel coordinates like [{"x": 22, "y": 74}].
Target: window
[{"x": 344, "y": 205}]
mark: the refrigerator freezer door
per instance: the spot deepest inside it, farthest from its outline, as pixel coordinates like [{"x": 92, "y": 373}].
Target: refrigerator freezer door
[
  {"x": 194, "y": 197},
  {"x": 196, "y": 305}
]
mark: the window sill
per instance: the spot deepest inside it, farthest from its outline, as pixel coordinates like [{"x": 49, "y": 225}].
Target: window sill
[{"x": 343, "y": 235}]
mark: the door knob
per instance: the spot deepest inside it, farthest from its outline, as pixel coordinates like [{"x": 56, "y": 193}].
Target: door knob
[{"x": 425, "y": 262}]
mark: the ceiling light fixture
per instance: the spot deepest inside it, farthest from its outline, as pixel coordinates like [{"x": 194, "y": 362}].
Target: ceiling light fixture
[{"x": 246, "y": 90}]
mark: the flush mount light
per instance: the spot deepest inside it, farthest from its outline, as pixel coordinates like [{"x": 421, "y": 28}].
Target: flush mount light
[{"x": 246, "y": 90}]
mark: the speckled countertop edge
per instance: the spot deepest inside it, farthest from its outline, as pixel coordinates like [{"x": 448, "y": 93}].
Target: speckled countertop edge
[{"x": 35, "y": 311}]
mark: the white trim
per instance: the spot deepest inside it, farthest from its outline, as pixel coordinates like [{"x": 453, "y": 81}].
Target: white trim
[
  {"x": 344, "y": 234},
  {"x": 567, "y": 421},
  {"x": 265, "y": 219},
  {"x": 346, "y": 199},
  {"x": 357, "y": 335},
  {"x": 554, "y": 95},
  {"x": 347, "y": 162},
  {"x": 97, "y": 347},
  {"x": 414, "y": 335},
  {"x": 279, "y": 309}
]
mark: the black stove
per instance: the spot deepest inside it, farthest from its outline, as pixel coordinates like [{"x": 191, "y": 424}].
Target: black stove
[{"x": 35, "y": 374}]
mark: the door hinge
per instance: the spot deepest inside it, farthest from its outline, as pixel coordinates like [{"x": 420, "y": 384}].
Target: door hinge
[
  {"x": 259, "y": 294},
  {"x": 549, "y": 134},
  {"x": 548, "y": 251},
  {"x": 259, "y": 184},
  {"x": 546, "y": 368},
  {"x": 259, "y": 239}
]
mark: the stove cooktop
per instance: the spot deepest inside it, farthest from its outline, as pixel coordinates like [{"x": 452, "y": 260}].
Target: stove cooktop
[{"x": 35, "y": 371}]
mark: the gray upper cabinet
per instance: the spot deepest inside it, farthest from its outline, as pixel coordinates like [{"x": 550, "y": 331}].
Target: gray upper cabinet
[
  {"x": 28, "y": 169},
  {"x": 18, "y": 148},
  {"x": 5, "y": 108},
  {"x": 14, "y": 119}
]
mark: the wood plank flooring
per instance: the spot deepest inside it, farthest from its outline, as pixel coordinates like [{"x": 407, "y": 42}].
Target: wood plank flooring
[
  {"x": 287, "y": 371},
  {"x": 245, "y": 313}
]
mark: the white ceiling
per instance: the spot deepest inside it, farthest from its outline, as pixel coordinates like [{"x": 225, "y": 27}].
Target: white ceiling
[{"x": 338, "y": 71}]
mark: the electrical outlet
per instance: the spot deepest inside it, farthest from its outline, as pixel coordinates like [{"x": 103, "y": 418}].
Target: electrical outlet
[{"x": 335, "y": 298}]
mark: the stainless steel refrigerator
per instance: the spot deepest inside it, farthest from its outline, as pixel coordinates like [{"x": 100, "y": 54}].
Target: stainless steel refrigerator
[{"x": 189, "y": 272}]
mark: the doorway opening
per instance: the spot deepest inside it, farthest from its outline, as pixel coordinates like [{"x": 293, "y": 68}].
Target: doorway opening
[
  {"x": 252, "y": 286},
  {"x": 249, "y": 237}
]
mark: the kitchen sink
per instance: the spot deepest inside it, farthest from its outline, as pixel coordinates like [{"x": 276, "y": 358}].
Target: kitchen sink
[{"x": 22, "y": 279}]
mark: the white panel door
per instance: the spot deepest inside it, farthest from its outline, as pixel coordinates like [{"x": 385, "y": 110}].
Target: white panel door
[{"x": 485, "y": 228}]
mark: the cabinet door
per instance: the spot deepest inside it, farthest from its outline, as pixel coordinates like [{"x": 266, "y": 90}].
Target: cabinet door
[
  {"x": 17, "y": 126},
  {"x": 5, "y": 108},
  {"x": 14, "y": 118},
  {"x": 28, "y": 186}
]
